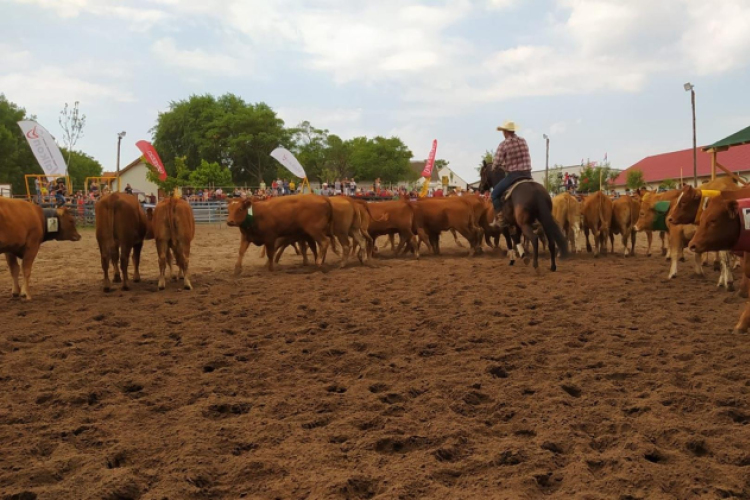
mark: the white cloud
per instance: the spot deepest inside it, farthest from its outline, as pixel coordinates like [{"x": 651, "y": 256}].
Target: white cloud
[
  {"x": 198, "y": 60},
  {"x": 558, "y": 128},
  {"x": 52, "y": 87},
  {"x": 138, "y": 18}
]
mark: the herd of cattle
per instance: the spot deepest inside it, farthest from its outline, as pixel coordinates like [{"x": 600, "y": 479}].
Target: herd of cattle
[{"x": 711, "y": 218}]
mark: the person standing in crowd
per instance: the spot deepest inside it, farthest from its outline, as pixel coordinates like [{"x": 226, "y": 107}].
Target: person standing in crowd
[
  {"x": 292, "y": 187},
  {"x": 128, "y": 189},
  {"x": 287, "y": 187},
  {"x": 60, "y": 193},
  {"x": 337, "y": 186}
]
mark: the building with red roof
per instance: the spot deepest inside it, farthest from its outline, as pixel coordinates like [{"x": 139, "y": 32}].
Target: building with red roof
[{"x": 659, "y": 168}]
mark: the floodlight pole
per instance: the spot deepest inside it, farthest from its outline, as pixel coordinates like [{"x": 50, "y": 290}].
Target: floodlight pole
[{"x": 119, "y": 140}]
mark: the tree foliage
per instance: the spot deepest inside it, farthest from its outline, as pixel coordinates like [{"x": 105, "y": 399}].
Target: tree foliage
[
  {"x": 591, "y": 177},
  {"x": 71, "y": 122},
  {"x": 668, "y": 184},
  {"x": 634, "y": 179},
  {"x": 181, "y": 176},
  {"x": 211, "y": 174},
  {"x": 16, "y": 158},
  {"x": 240, "y": 136}
]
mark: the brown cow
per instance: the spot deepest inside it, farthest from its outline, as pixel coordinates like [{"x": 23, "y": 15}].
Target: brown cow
[
  {"x": 264, "y": 222},
  {"x": 597, "y": 218},
  {"x": 347, "y": 223},
  {"x": 566, "y": 210},
  {"x": 720, "y": 229},
  {"x": 174, "y": 228},
  {"x": 625, "y": 213},
  {"x": 480, "y": 221},
  {"x": 121, "y": 227},
  {"x": 23, "y": 228},
  {"x": 442, "y": 214},
  {"x": 646, "y": 215},
  {"x": 394, "y": 217}
]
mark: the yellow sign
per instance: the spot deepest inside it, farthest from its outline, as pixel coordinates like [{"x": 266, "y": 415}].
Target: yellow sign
[{"x": 445, "y": 180}]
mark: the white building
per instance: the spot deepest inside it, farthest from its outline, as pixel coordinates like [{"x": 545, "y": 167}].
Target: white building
[{"x": 135, "y": 175}]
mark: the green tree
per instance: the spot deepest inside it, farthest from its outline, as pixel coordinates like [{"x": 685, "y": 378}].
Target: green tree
[
  {"x": 591, "y": 177},
  {"x": 80, "y": 166},
  {"x": 224, "y": 130},
  {"x": 310, "y": 146},
  {"x": 180, "y": 178},
  {"x": 384, "y": 158},
  {"x": 554, "y": 181},
  {"x": 487, "y": 157},
  {"x": 211, "y": 175},
  {"x": 16, "y": 158},
  {"x": 668, "y": 184},
  {"x": 71, "y": 122},
  {"x": 634, "y": 179}
]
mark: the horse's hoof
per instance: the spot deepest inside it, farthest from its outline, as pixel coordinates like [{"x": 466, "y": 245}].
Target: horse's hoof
[
  {"x": 16, "y": 294},
  {"x": 512, "y": 262},
  {"x": 553, "y": 268},
  {"x": 730, "y": 287},
  {"x": 118, "y": 279},
  {"x": 188, "y": 287},
  {"x": 682, "y": 259}
]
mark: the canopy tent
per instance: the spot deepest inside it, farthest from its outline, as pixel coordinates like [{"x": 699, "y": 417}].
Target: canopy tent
[{"x": 737, "y": 139}]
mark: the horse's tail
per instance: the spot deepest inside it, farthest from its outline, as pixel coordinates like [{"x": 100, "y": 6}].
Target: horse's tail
[{"x": 551, "y": 229}]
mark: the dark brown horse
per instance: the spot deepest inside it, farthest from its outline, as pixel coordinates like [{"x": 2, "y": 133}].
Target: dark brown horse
[{"x": 529, "y": 202}]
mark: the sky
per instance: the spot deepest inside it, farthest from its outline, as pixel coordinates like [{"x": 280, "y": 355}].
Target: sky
[{"x": 597, "y": 76}]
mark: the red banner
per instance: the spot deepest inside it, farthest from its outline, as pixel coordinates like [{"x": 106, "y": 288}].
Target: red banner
[
  {"x": 152, "y": 157},
  {"x": 427, "y": 172}
]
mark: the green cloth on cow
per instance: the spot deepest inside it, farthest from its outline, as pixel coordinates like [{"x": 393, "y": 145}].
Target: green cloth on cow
[
  {"x": 249, "y": 219},
  {"x": 660, "y": 221}
]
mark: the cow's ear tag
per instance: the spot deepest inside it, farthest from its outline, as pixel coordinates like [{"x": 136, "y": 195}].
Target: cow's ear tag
[
  {"x": 52, "y": 225},
  {"x": 746, "y": 218}
]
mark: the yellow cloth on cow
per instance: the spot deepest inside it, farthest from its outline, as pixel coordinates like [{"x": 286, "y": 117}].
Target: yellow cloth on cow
[{"x": 706, "y": 194}]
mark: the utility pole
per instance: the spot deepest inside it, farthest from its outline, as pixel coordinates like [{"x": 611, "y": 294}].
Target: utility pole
[
  {"x": 546, "y": 164},
  {"x": 689, "y": 87},
  {"x": 119, "y": 140}
]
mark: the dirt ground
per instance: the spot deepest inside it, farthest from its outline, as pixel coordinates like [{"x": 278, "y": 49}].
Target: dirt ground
[{"x": 444, "y": 378}]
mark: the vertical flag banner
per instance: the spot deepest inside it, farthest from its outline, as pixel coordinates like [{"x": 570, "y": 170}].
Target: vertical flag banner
[
  {"x": 291, "y": 163},
  {"x": 44, "y": 148},
  {"x": 152, "y": 157},
  {"x": 427, "y": 172}
]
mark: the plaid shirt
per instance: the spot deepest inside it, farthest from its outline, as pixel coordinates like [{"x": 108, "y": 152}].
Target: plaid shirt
[{"x": 512, "y": 155}]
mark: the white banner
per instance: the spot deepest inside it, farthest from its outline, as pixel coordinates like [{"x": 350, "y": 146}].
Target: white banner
[
  {"x": 289, "y": 161},
  {"x": 44, "y": 148}
]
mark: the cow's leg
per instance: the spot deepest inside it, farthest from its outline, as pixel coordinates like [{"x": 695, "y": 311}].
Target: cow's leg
[
  {"x": 114, "y": 258},
  {"x": 745, "y": 282},
  {"x": 726, "y": 278},
  {"x": 182, "y": 256},
  {"x": 303, "y": 252},
  {"x": 597, "y": 243},
  {"x": 322, "y": 242},
  {"x": 15, "y": 270},
  {"x": 530, "y": 234},
  {"x": 162, "y": 247},
  {"x": 124, "y": 262},
  {"x": 333, "y": 245},
  {"x": 105, "y": 257},
  {"x": 270, "y": 254},
  {"x": 649, "y": 241},
  {"x": 664, "y": 250},
  {"x": 697, "y": 260},
  {"x": 262, "y": 252},
  {"x": 345, "y": 250},
  {"x": 455, "y": 238},
  {"x": 717, "y": 261},
  {"x": 588, "y": 243},
  {"x": 296, "y": 248},
  {"x": 28, "y": 261},
  {"x": 243, "y": 248},
  {"x": 576, "y": 237},
  {"x": 633, "y": 235},
  {"x": 674, "y": 244},
  {"x": 278, "y": 252},
  {"x": 612, "y": 242},
  {"x": 468, "y": 233},
  {"x": 137, "y": 262}
]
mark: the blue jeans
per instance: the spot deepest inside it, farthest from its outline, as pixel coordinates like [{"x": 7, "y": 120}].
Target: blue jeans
[{"x": 503, "y": 185}]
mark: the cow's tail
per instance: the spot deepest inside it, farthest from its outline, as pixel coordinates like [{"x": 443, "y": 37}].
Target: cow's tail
[
  {"x": 551, "y": 229},
  {"x": 105, "y": 225}
]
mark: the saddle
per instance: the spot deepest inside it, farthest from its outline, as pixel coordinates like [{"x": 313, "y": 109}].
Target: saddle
[{"x": 513, "y": 186}]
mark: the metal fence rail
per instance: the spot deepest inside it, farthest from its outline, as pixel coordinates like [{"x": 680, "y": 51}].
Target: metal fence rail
[{"x": 205, "y": 212}]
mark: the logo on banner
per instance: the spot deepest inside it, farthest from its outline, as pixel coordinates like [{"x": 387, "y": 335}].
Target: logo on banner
[{"x": 32, "y": 134}]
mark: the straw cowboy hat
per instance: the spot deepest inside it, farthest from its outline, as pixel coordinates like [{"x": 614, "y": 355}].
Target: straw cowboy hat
[{"x": 508, "y": 126}]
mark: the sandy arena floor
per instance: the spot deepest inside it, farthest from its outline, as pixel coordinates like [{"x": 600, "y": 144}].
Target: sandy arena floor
[{"x": 445, "y": 378}]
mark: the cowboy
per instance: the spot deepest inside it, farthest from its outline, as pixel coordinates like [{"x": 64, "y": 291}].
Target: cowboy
[{"x": 513, "y": 156}]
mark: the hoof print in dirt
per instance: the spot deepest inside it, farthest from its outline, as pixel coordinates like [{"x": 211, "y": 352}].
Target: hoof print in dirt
[
  {"x": 572, "y": 390},
  {"x": 497, "y": 372},
  {"x": 24, "y": 495},
  {"x": 225, "y": 410},
  {"x": 358, "y": 487},
  {"x": 399, "y": 445},
  {"x": 336, "y": 389}
]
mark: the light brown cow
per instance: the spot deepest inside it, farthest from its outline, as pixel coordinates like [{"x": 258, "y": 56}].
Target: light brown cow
[
  {"x": 566, "y": 210},
  {"x": 597, "y": 218},
  {"x": 394, "y": 217},
  {"x": 442, "y": 214},
  {"x": 121, "y": 227},
  {"x": 347, "y": 223},
  {"x": 174, "y": 229},
  {"x": 646, "y": 216},
  {"x": 23, "y": 228},
  {"x": 625, "y": 213},
  {"x": 264, "y": 222}
]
